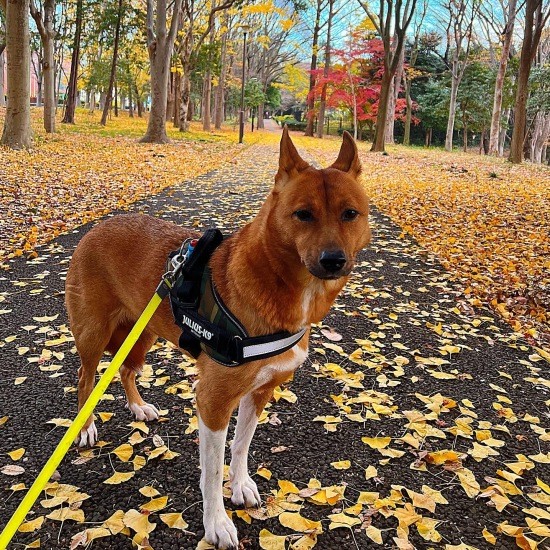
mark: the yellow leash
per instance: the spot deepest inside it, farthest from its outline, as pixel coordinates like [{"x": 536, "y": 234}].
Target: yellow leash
[{"x": 74, "y": 429}]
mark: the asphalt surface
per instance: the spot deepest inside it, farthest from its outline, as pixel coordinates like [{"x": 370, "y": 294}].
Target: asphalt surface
[{"x": 397, "y": 295}]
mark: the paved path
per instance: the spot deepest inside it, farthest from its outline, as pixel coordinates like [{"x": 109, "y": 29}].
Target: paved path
[{"x": 416, "y": 364}]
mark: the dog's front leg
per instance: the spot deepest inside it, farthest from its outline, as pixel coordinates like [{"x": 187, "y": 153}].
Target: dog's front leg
[
  {"x": 219, "y": 529},
  {"x": 243, "y": 487}
]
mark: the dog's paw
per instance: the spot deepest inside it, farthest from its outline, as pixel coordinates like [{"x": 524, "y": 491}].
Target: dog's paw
[
  {"x": 245, "y": 493},
  {"x": 88, "y": 436},
  {"x": 220, "y": 531},
  {"x": 143, "y": 412}
]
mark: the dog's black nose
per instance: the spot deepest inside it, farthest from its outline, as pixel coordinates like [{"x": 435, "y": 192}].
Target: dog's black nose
[{"x": 332, "y": 260}]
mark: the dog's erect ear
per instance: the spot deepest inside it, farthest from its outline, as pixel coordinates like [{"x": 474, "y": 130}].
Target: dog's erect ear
[
  {"x": 289, "y": 160},
  {"x": 348, "y": 157}
]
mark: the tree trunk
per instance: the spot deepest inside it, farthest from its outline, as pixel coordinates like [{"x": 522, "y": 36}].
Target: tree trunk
[
  {"x": 323, "y": 101},
  {"x": 2, "y": 87},
  {"x": 220, "y": 88},
  {"x": 17, "y": 124},
  {"x": 185, "y": 98},
  {"x": 452, "y": 109},
  {"x": 260, "y": 109},
  {"x": 390, "y": 113},
  {"x": 112, "y": 77},
  {"x": 394, "y": 94},
  {"x": 313, "y": 68},
  {"x": 380, "y": 133},
  {"x": 130, "y": 102},
  {"x": 502, "y": 136},
  {"x": 541, "y": 133},
  {"x": 428, "y": 139},
  {"x": 139, "y": 103},
  {"x": 408, "y": 116},
  {"x": 70, "y": 104},
  {"x": 501, "y": 74},
  {"x": 177, "y": 96},
  {"x": 464, "y": 136},
  {"x": 207, "y": 96},
  {"x": 171, "y": 99},
  {"x": 160, "y": 42},
  {"x": 156, "y": 126},
  {"x": 530, "y": 43}
]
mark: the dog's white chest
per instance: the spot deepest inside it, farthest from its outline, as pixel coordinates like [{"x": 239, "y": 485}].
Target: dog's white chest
[{"x": 289, "y": 364}]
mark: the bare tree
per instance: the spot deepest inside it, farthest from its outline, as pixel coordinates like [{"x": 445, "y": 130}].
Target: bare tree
[
  {"x": 268, "y": 57},
  {"x": 17, "y": 125},
  {"x": 323, "y": 101},
  {"x": 409, "y": 73},
  {"x": 460, "y": 20},
  {"x": 70, "y": 100},
  {"x": 535, "y": 20},
  {"x": 190, "y": 45},
  {"x": 391, "y": 24},
  {"x": 109, "y": 97},
  {"x": 44, "y": 20},
  {"x": 319, "y": 9},
  {"x": 160, "y": 44},
  {"x": 504, "y": 26}
]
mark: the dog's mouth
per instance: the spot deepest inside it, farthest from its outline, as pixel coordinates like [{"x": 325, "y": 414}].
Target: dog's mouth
[{"x": 320, "y": 273}]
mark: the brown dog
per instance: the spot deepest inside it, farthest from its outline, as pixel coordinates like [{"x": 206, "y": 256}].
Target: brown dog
[{"x": 281, "y": 272}]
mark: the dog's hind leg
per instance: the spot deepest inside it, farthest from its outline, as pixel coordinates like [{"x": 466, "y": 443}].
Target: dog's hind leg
[
  {"x": 90, "y": 345},
  {"x": 133, "y": 364}
]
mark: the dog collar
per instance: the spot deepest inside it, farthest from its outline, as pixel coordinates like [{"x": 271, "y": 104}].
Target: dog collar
[{"x": 206, "y": 322}]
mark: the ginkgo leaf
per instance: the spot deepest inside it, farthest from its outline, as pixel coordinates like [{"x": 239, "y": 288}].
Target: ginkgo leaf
[
  {"x": 468, "y": 482},
  {"x": 124, "y": 452},
  {"x": 149, "y": 491},
  {"x": 489, "y": 537},
  {"x": 341, "y": 465},
  {"x": 32, "y": 525},
  {"x": 155, "y": 504},
  {"x": 342, "y": 520},
  {"x": 115, "y": 523},
  {"x": 442, "y": 457},
  {"x": 296, "y": 522},
  {"x": 119, "y": 477},
  {"x": 544, "y": 486},
  {"x": 16, "y": 454},
  {"x": 174, "y": 521},
  {"x": 141, "y": 426},
  {"x": 427, "y": 529},
  {"x": 287, "y": 487},
  {"x": 138, "y": 522},
  {"x": 60, "y": 422},
  {"x": 264, "y": 472},
  {"x": 63, "y": 514},
  {"x": 85, "y": 537},
  {"x": 46, "y": 319},
  {"x": 376, "y": 442},
  {"x": 374, "y": 534},
  {"x": 105, "y": 416},
  {"x": 371, "y": 472}
]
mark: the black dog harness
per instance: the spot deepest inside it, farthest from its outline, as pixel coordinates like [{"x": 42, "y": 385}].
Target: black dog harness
[{"x": 206, "y": 322}]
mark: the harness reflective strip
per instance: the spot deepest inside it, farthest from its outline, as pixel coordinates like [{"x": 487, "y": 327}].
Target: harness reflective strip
[
  {"x": 74, "y": 429},
  {"x": 272, "y": 347}
]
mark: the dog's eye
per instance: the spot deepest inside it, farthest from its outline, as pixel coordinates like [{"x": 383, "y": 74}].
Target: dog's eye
[
  {"x": 349, "y": 215},
  {"x": 304, "y": 215}
]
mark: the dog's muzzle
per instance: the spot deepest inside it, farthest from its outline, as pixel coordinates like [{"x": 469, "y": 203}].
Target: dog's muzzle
[{"x": 330, "y": 265}]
